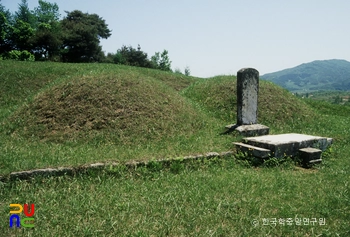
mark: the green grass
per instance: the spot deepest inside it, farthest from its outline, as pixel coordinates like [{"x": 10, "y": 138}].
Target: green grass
[
  {"x": 217, "y": 197},
  {"x": 99, "y": 113}
]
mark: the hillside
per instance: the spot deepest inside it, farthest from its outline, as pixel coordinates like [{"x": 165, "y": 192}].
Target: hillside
[
  {"x": 69, "y": 115},
  {"x": 314, "y": 76},
  {"x": 277, "y": 107},
  {"x": 84, "y": 111}
]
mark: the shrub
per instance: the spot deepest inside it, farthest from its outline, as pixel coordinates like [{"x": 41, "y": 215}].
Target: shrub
[
  {"x": 177, "y": 71},
  {"x": 132, "y": 57},
  {"x": 20, "y": 55},
  {"x": 187, "y": 71}
]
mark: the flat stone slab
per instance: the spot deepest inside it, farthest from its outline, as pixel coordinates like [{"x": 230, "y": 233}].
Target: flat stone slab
[
  {"x": 253, "y": 130},
  {"x": 248, "y": 130},
  {"x": 288, "y": 144},
  {"x": 253, "y": 150}
]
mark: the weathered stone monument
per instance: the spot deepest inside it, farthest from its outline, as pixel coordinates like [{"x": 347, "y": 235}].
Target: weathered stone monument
[
  {"x": 247, "y": 104},
  {"x": 247, "y": 96},
  {"x": 257, "y": 142}
]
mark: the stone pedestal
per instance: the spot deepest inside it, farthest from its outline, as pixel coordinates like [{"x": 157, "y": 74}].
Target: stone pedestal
[{"x": 253, "y": 130}]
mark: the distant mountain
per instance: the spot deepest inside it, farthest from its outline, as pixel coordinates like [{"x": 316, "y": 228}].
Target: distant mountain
[{"x": 318, "y": 75}]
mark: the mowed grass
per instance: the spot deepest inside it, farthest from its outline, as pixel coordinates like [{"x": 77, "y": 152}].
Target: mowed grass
[
  {"x": 210, "y": 198},
  {"x": 219, "y": 197}
]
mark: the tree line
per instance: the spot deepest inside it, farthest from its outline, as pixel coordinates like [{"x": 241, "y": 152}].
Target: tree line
[{"x": 40, "y": 34}]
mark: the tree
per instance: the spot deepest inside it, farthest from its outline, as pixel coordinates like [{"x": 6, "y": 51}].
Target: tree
[
  {"x": 177, "y": 71},
  {"x": 109, "y": 58},
  {"x": 47, "y": 40},
  {"x": 47, "y": 12},
  {"x": 165, "y": 63},
  {"x": 7, "y": 13},
  {"x": 155, "y": 60},
  {"x": 4, "y": 30},
  {"x": 20, "y": 35},
  {"x": 21, "y": 28},
  {"x": 81, "y": 37},
  {"x": 337, "y": 99},
  {"x": 25, "y": 14},
  {"x": 132, "y": 57},
  {"x": 161, "y": 61},
  {"x": 187, "y": 71}
]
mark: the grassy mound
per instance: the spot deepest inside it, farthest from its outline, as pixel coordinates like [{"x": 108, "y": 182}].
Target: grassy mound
[
  {"x": 73, "y": 114},
  {"x": 55, "y": 114},
  {"x": 119, "y": 107},
  {"x": 277, "y": 107}
]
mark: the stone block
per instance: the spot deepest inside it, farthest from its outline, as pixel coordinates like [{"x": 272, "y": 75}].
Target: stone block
[
  {"x": 310, "y": 155},
  {"x": 287, "y": 144},
  {"x": 253, "y": 130}
]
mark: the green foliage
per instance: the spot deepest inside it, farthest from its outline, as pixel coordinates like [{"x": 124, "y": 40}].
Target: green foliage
[
  {"x": 75, "y": 38},
  {"x": 337, "y": 100},
  {"x": 5, "y": 29},
  {"x": 20, "y": 55},
  {"x": 4, "y": 11},
  {"x": 3, "y": 26},
  {"x": 37, "y": 31},
  {"x": 47, "y": 40},
  {"x": 23, "y": 28},
  {"x": 285, "y": 162},
  {"x": 109, "y": 58},
  {"x": 177, "y": 71},
  {"x": 47, "y": 12},
  {"x": 187, "y": 71},
  {"x": 81, "y": 37},
  {"x": 132, "y": 57},
  {"x": 154, "y": 166},
  {"x": 135, "y": 57},
  {"x": 14, "y": 55},
  {"x": 177, "y": 166},
  {"x": 161, "y": 61},
  {"x": 20, "y": 35},
  {"x": 24, "y": 14},
  {"x": 165, "y": 63}
]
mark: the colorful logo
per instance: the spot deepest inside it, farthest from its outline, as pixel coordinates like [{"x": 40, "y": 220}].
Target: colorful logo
[{"x": 25, "y": 222}]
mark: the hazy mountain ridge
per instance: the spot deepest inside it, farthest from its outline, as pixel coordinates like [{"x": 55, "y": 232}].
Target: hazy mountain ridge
[{"x": 318, "y": 75}]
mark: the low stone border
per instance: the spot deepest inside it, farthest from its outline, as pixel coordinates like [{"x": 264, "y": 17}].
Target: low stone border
[{"x": 60, "y": 171}]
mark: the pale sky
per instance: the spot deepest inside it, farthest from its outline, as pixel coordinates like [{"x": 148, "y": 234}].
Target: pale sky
[{"x": 222, "y": 36}]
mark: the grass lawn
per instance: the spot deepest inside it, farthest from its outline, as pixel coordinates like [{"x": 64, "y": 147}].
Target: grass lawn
[{"x": 164, "y": 115}]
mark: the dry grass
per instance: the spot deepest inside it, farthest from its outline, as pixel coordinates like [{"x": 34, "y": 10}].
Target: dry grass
[{"x": 123, "y": 104}]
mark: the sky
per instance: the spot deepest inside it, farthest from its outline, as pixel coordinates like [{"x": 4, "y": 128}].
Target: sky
[{"x": 219, "y": 37}]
